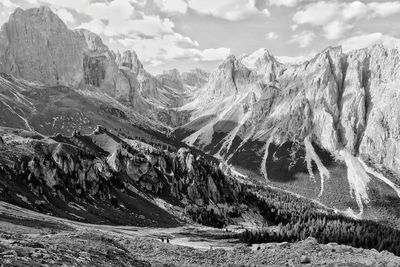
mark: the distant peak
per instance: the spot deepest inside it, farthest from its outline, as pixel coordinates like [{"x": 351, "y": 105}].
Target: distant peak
[
  {"x": 231, "y": 57},
  {"x": 42, "y": 16},
  {"x": 259, "y": 56},
  {"x": 172, "y": 72},
  {"x": 130, "y": 60}
]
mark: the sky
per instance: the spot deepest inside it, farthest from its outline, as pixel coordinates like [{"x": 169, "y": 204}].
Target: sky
[{"x": 187, "y": 34}]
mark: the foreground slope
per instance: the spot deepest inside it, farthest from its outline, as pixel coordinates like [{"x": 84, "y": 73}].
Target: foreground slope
[{"x": 29, "y": 238}]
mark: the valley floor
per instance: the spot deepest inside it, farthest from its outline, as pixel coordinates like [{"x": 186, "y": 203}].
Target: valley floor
[{"x": 31, "y": 239}]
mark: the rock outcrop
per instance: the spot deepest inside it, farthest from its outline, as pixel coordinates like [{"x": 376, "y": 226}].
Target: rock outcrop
[
  {"x": 196, "y": 78},
  {"x": 101, "y": 167}
]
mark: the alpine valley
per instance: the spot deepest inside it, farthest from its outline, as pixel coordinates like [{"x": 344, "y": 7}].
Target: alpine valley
[{"x": 97, "y": 149}]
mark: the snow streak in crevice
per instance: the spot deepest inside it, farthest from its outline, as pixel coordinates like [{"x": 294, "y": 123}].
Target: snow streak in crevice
[
  {"x": 311, "y": 156},
  {"x": 358, "y": 179}
]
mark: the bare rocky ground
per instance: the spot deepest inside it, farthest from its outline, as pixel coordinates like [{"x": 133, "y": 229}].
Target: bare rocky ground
[{"x": 31, "y": 239}]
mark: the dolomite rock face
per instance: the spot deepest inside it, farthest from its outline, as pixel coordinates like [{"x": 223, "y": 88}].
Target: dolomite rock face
[
  {"x": 171, "y": 78},
  {"x": 37, "y": 46},
  {"x": 99, "y": 66},
  {"x": 196, "y": 78},
  {"x": 340, "y": 100},
  {"x": 380, "y": 139}
]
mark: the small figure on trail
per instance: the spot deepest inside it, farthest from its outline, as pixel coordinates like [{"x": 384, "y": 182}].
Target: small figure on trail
[
  {"x": 167, "y": 240},
  {"x": 162, "y": 239}
]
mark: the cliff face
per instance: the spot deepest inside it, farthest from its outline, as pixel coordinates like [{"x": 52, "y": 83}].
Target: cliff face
[
  {"x": 340, "y": 100},
  {"x": 36, "y": 45},
  {"x": 312, "y": 119},
  {"x": 124, "y": 176}
]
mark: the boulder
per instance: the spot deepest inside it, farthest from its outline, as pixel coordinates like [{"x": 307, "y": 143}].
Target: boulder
[{"x": 304, "y": 259}]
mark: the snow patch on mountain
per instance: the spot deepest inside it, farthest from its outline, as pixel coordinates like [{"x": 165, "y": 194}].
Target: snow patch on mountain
[
  {"x": 378, "y": 175},
  {"x": 250, "y": 60},
  {"x": 311, "y": 155},
  {"x": 264, "y": 160},
  {"x": 358, "y": 179}
]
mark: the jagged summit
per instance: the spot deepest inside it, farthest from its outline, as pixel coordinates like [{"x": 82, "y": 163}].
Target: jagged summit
[
  {"x": 258, "y": 57},
  {"x": 130, "y": 61},
  {"x": 37, "y": 46}
]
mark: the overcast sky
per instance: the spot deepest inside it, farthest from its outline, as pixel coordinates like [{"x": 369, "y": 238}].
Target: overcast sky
[{"x": 185, "y": 34}]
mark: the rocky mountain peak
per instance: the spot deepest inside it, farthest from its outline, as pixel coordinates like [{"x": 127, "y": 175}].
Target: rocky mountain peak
[
  {"x": 171, "y": 78},
  {"x": 43, "y": 17},
  {"x": 196, "y": 77},
  {"x": 130, "y": 61},
  {"x": 38, "y": 46},
  {"x": 93, "y": 41},
  {"x": 258, "y": 58},
  {"x": 173, "y": 72},
  {"x": 230, "y": 78}
]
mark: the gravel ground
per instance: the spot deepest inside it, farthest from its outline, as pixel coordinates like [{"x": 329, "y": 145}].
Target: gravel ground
[{"x": 29, "y": 239}]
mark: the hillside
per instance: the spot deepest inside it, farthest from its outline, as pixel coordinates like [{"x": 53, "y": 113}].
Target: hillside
[
  {"x": 272, "y": 163},
  {"x": 318, "y": 128}
]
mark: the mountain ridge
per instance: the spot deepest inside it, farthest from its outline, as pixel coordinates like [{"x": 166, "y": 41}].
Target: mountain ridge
[{"x": 296, "y": 125}]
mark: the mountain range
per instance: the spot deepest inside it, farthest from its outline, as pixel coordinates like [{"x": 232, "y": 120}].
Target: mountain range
[{"x": 321, "y": 128}]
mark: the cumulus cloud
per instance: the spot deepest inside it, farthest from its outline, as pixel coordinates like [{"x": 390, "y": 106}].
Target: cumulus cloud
[
  {"x": 6, "y": 8},
  {"x": 172, "y": 6},
  {"x": 172, "y": 47},
  {"x": 95, "y": 25},
  {"x": 335, "y": 18},
  {"x": 365, "y": 40},
  {"x": 317, "y": 13},
  {"x": 151, "y": 36},
  {"x": 336, "y": 29},
  {"x": 271, "y": 36},
  {"x": 286, "y": 3},
  {"x": 65, "y": 15},
  {"x": 303, "y": 39},
  {"x": 232, "y": 10},
  {"x": 384, "y": 9}
]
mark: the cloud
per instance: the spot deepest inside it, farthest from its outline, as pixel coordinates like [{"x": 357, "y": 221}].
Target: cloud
[
  {"x": 366, "y": 40},
  {"x": 149, "y": 26},
  {"x": 285, "y": 3},
  {"x": 78, "y": 5},
  {"x": 317, "y": 13},
  {"x": 172, "y": 47},
  {"x": 303, "y": 38},
  {"x": 65, "y": 15},
  {"x": 232, "y": 10},
  {"x": 6, "y": 8},
  {"x": 95, "y": 25},
  {"x": 336, "y": 29},
  {"x": 172, "y": 6},
  {"x": 385, "y": 9},
  {"x": 212, "y": 54},
  {"x": 271, "y": 36},
  {"x": 336, "y": 18}
]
